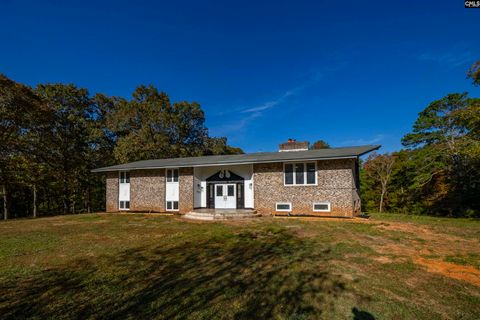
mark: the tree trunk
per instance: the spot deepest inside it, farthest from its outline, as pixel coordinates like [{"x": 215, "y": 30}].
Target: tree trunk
[
  {"x": 34, "y": 201},
  {"x": 87, "y": 200},
  {"x": 5, "y": 209},
  {"x": 381, "y": 201},
  {"x": 66, "y": 204}
]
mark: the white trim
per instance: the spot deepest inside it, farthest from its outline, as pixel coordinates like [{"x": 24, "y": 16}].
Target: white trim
[
  {"x": 173, "y": 175},
  {"x": 283, "y": 203},
  {"x": 252, "y": 185},
  {"x": 124, "y": 209},
  {"x": 305, "y": 184},
  {"x": 172, "y": 201},
  {"x": 125, "y": 176},
  {"x": 293, "y": 150},
  {"x": 320, "y": 210},
  {"x": 123, "y": 189},
  {"x": 172, "y": 189}
]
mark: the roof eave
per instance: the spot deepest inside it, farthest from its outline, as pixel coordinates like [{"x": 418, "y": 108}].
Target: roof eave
[{"x": 109, "y": 169}]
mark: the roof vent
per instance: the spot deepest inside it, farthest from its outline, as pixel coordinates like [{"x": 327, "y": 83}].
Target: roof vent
[{"x": 293, "y": 145}]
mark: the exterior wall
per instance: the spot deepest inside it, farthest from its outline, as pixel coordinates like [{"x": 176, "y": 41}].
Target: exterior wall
[
  {"x": 147, "y": 190},
  {"x": 336, "y": 184},
  {"x": 112, "y": 192},
  {"x": 185, "y": 180}
]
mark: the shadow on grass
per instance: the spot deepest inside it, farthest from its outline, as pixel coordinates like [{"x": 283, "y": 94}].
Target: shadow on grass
[
  {"x": 264, "y": 274},
  {"x": 361, "y": 315}
]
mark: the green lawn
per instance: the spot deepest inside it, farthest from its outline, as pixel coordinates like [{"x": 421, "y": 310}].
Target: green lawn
[{"x": 163, "y": 267}]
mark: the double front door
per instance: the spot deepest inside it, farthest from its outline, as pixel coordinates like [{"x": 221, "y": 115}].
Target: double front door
[{"x": 225, "y": 196}]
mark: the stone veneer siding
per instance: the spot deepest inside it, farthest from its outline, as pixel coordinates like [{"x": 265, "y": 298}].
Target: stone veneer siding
[
  {"x": 112, "y": 191},
  {"x": 147, "y": 190},
  {"x": 336, "y": 184},
  {"x": 186, "y": 190}
]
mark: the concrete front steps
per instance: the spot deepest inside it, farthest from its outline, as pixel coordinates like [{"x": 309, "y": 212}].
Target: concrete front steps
[{"x": 221, "y": 214}]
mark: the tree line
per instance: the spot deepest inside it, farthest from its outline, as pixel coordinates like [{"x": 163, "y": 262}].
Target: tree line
[
  {"x": 52, "y": 135},
  {"x": 438, "y": 171}
]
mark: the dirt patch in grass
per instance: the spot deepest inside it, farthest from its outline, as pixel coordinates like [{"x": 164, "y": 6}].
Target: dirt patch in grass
[
  {"x": 451, "y": 270},
  {"x": 419, "y": 231}
]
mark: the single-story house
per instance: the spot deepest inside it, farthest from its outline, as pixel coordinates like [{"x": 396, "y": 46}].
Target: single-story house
[{"x": 294, "y": 180}]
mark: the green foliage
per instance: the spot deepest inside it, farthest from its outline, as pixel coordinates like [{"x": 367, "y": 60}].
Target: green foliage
[
  {"x": 439, "y": 173},
  {"x": 150, "y": 127},
  {"x": 51, "y": 137}
]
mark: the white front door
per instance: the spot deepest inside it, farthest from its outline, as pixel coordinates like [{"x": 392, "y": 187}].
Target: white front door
[{"x": 225, "y": 196}]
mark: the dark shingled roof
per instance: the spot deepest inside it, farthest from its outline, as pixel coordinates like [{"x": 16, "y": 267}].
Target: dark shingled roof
[{"x": 260, "y": 157}]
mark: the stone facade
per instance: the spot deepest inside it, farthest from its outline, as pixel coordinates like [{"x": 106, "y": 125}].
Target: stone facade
[
  {"x": 185, "y": 180},
  {"x": 112, "y": 191},
  {"x": 147, "y": 190},
  {"x": 336, "y": 184}
]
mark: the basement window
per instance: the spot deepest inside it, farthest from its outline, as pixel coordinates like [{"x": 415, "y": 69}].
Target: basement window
[
  {"x": 283, "y": 206},
  {"x": 172, "y": 205},
  {"x": 321, "y": 207},
  {"x": 300, "y": 173}
]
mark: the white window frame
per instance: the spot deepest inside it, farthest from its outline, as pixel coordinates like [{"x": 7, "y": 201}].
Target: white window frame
[
  {"x": 120, "y": 205},
  {"x": 320, "y": 210},
  {"x": 172, "y": 209},
  {"x": 283, "y": 210},
  {"x": 124, "y": 174},
  {"x": 173, "y": 176},
  {"x": 304, "y": 174}
]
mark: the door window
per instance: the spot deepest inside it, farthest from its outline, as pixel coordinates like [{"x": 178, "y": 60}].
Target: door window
[
  {"x": 219, "y": 190},
  {"x": 230, "y": 190}
]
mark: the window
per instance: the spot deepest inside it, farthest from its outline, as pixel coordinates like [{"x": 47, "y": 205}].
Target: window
[
  {"x": 311, "y": 173},
  {"x": 219, "y": 190},
  {"x": 172, "y": 205},
  {"x": 172, "y": 175},
  {"x": 301, "y": 173},
  {"x": 125, "y": 205},
  {"x": 321, "y": 206},
  {"x": 230, "y": 190},
  {"x": 124, "y": 177},
  {"x": 288, "y": 173},
  {"x": 283, "y": 206}
]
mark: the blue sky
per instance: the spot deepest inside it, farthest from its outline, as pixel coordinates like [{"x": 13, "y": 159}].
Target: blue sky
[{"x": 348, "y": 72}]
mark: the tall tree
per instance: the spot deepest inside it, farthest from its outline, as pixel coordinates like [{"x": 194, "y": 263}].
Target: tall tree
[
  {"x": 380, "y": 167},
  {"x": 51, "y": 137},
  {"x": 22, "y": 116},
  {"x": 149, "y": 126},
  {"x": 69, "y": 138},
  {"x": 444, "y": 136}
]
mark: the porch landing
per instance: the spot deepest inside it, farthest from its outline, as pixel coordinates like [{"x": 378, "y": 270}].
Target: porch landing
[{"x": 221, "y": 214}]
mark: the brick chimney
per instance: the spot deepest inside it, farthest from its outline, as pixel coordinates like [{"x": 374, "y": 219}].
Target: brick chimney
[{"x": 293, "y": 145}]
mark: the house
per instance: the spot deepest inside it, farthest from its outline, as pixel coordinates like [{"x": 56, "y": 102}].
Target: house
[{"x": 294, "y": 180}]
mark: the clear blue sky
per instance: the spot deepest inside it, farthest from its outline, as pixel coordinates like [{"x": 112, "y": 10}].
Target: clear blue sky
[{"x": 348, "y": 72}]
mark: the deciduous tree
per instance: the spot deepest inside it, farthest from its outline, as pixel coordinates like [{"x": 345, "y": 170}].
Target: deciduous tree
[{"x": 319, "y": 144}]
